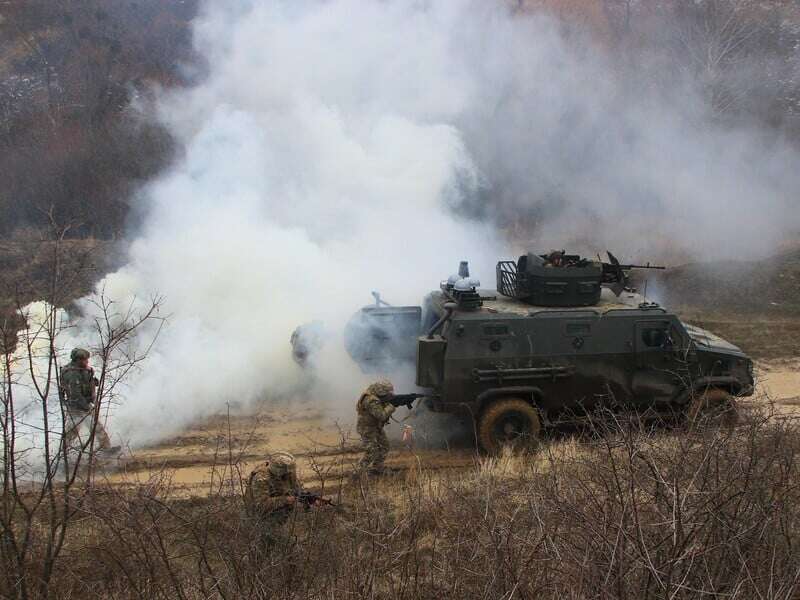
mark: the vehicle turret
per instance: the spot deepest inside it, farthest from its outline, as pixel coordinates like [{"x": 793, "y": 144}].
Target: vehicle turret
[{"x": 561, "y": 279}]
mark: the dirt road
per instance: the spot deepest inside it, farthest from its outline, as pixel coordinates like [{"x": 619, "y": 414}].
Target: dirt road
[
  {"x": 211, "y": 451},
  {"x": 207, "y": 454}
]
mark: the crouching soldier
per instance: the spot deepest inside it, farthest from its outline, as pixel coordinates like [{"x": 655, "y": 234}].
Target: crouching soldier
[
  {"x": 374, "y": 410},
  {"x": 273, "y": 491},
  {"x": 78, "y": 391}
]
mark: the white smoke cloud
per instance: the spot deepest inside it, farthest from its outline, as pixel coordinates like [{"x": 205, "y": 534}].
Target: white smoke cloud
[
  {"x": 319, "y": 165},
  {"x": 332, "y": 149},
  {"x": 612, "y": 156}
]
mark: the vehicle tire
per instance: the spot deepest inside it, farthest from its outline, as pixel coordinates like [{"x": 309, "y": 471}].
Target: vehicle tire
[
  {"x": 509, "y": 422},
  {"x": 712, "y": 408}
]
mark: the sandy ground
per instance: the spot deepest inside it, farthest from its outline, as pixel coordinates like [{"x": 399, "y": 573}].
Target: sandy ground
[
  {"x": 221, "y": 450},
  {"x": 780, "y": 380}
]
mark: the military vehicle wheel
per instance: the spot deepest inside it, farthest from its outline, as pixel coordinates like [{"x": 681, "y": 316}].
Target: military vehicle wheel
[
  {"x": 508, "y": 422},
  {"x": 712, "y": 408}
]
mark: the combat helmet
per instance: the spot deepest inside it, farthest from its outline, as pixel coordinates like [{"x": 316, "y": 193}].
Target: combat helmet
[
  {"x": 281, "y": 463},
  {"x": 78, "y": 354},
  {"x": 381, "y": 388}
]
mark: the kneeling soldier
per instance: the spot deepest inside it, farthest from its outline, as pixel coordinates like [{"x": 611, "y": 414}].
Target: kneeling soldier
[{"x": 273, "y": 491}]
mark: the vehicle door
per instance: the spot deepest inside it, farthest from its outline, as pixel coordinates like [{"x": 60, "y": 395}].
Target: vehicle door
[
  {"x": 657, "y": 373},
  {"x": 581, "y": 352},
  {"x": 486, "y": 354}
]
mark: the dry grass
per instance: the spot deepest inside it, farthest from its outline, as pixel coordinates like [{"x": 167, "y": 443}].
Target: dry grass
[{"x": 624, "y": 513}]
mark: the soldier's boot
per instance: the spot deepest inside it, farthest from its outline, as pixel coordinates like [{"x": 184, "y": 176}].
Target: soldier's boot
[
  {"x": 104, "y": 441},
  {"x": 110, "y": 451},
  {"x": 384, "y": 470}
]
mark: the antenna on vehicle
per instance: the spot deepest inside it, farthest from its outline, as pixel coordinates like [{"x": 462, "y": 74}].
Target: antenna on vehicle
[{"x": 378, "y": 300}]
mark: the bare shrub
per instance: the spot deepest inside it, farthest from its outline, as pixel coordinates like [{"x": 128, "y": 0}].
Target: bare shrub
[
  {"x": 45, "y": 482},
  {"x": 631, "y": 513}
]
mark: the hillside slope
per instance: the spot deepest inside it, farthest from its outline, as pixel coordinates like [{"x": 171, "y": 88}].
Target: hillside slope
[
  {"x": 771, "y": 285},
  {"x": 69, "y": 75}
]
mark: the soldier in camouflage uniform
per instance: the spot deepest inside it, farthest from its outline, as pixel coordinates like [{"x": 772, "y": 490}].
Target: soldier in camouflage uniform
[
  {"x": 78, "y": 397},
  {"x": 555, "y": 258},
  {"x": 374, "y": 411},
  {"x": 271, "y": 495}
]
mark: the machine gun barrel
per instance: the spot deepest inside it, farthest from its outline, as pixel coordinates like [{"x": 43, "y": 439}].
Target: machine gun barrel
[
  {"x": 647, "y": 266},
  {"x": 405, "y": 399},
  {"x": 615, "y": 274}
]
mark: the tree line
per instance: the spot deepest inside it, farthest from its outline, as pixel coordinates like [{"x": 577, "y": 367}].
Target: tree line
[{"x": 75, "y": 80}]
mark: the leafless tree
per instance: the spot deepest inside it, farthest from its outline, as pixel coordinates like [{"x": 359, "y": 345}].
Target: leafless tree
[
  {"x": 713, "y": 39},
  {"x": 44, "y": 482}
]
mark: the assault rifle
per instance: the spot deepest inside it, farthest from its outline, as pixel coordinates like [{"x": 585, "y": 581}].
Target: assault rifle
[
  {"x": 405, "y": 400},
  {"x": 309, "y": 499}
]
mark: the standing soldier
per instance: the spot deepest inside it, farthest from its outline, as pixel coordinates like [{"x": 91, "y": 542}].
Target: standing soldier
[
  {"x": 273, "y": 491},
  {"x": 374, "y": 410},
  {"x": 78, "y": 396}
]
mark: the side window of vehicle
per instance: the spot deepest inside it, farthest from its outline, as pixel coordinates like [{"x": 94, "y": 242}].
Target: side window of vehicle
[
  {"x": 495, "y": 329},
  {"x": 578, "y": 329},
  {"x": 496, "y": 338},
  {"x": 657, "y": 337}
]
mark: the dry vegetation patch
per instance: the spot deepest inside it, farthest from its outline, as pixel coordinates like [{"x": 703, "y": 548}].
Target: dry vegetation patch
[{"x": 625, "y": 513}]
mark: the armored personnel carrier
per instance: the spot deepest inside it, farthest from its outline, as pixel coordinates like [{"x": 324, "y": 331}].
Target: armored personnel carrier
[{"x": 559, "y": 338}]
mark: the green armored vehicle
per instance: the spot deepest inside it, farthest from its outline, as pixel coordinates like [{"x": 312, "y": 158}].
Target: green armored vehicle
[{"x": 561, "y": 337}]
